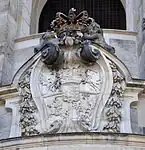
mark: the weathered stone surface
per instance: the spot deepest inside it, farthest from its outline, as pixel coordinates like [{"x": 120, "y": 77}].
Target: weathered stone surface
[
  {"x": 15, "y": 18},
  {"x": 1, "y": 65},
  {"x": 13, "y": 7},
  {"x": 5, "y": 122},
  {"x": 7, "y": 69},
  {"x": 136, "y": 128},
  {"x": 20, "y": 57},
  {"x": 24, "y": 17},
  {"x": 4, "y": 5},
  {"x": 126, "y": 51},
  {"x": 76, "y": 141}
]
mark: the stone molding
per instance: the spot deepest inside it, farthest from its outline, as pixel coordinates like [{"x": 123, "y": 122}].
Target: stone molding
[
  {"x": 126, "y": 141},
  {"x": 113, "y": 31}
]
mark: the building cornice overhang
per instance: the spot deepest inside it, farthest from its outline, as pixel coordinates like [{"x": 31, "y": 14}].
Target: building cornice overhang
[
  {"x": 66, "y": 139},
  {"x": 106, "y": 31}
]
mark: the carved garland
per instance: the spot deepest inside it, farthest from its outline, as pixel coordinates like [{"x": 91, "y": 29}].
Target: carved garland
[
  {"x": 114, "y": 104},
  {"x": 28, "y": 120}
]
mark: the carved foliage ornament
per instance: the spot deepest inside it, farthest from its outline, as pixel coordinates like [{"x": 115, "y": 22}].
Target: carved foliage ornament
[
  {"x": 28, "y": 108},
  {"x": 114, "y": 104}
]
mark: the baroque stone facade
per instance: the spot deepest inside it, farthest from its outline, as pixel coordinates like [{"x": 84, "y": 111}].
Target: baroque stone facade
[{"x": 76, "y": 80}]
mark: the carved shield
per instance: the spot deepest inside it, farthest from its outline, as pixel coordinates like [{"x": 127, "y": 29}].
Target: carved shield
[{"x": 72, "y": 98}]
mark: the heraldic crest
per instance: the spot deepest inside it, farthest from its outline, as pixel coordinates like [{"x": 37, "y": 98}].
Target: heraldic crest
[{"x": 67, "y": 82}]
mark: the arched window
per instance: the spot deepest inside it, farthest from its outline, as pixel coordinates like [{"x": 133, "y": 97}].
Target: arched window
[{"x": 108, "y": 13}]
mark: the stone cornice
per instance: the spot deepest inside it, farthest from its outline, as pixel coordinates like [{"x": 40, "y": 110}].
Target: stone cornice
[
  {"x": 125, "y": 32},
  {"x": 7, "y": 91},
  {"x": 109, "y": 31},
  {"x": 45, "y": 140}
]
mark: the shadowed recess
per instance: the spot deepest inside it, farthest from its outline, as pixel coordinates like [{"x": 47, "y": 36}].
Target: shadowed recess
[{"x": 110, "y": 14}]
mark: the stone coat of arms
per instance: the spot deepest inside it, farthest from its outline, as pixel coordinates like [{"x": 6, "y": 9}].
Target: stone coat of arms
[{"x": 72, "y": 86}]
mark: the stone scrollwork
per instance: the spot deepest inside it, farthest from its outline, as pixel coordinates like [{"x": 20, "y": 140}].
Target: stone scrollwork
[
  {"x": 80, "y": 31},
  {"x": 50, "y": 53},
  {"x": 88, "y": 53},
  {"x": 114, "y": 104},
  {"x": 28, "y": 108}
]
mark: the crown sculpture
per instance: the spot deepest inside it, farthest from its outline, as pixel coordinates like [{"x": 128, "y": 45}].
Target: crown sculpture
[
  {"x": 73, "y": 30},
  {"x": 63, "y": 89}
]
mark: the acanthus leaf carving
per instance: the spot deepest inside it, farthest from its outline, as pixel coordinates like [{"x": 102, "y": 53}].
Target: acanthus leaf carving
[
  {"x": 114, "y": 104},
  {"x": 28, "y": 108}
]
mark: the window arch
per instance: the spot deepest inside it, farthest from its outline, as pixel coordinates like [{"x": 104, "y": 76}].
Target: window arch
[{"x": 108, "y": 13}]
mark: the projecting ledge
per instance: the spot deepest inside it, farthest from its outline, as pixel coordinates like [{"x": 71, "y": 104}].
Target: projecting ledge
[{"x": 81, "y": 141}]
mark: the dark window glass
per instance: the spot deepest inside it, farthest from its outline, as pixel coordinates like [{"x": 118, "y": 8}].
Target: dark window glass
[{"x": 108, "y": 13}]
